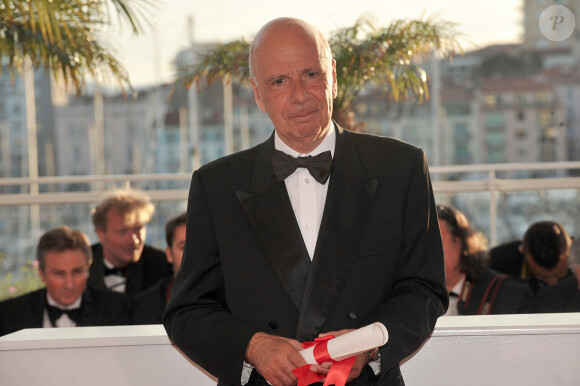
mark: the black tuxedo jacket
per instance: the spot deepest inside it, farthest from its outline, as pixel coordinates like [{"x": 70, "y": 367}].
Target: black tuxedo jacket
[
  {"x": 564, "y": 296},
  {"x": 507, "y": 258},
  {"x": 148, "y": 306},
  {"x": 151, "y": 267},
  {"x": 246, "y": 269},
  {"x": 491, "y": 294},
  {"x": 98, "y": 308}
]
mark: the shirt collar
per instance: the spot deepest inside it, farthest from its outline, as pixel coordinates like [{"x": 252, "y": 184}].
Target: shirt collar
[
  {"x": 328, "y": 143},
  {"x": 74, "y": 305},
  {"x": 459, "y": 286}
]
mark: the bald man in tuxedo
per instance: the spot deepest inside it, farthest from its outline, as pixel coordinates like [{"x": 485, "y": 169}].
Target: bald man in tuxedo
[{"x": 317, "y": 230}]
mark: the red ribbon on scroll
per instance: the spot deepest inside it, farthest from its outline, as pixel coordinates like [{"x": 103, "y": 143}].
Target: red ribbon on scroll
[{"x": 338, "y": 372}]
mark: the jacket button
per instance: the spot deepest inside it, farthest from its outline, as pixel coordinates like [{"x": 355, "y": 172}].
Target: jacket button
[
  {"x": 273, "y": 325},
  {"x": 352, "y": 315}
]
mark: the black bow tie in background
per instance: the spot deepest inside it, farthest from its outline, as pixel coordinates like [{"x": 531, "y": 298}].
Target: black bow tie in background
[
  {"x": 54, "y": 313},
  {"x": 318, "y": 166},
  {"x": 115, "y": 271}
]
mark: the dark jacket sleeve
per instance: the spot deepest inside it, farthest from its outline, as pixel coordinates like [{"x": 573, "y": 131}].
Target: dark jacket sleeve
[
  {"x": 198, "y": 301},
  {"x": 419, "y": 296}
]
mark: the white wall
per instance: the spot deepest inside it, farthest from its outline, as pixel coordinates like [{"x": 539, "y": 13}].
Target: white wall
[{"x": 463, "y": 350}]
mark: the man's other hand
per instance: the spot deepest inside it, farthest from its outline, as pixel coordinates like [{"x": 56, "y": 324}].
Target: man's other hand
[{"x": 274, "y": 358}]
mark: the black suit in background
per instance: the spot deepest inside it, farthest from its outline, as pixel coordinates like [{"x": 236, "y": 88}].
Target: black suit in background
[
  {"x": 560, "y": 297},
  {"x": 493, "y": 294},
  {"x": 246, "y": 269},
  {"x": 148, "y": 306},
  {"x": 507, "y": 258},
  {"x": 148, "y": 270},
  {"x": 564, "y": 296},
  {"x": 98, "y": 308}
]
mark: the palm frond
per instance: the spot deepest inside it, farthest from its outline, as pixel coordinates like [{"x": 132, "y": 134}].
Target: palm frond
[
  {"x": 63, "y": 36},
  {"x": 365, "y": 54},
  {"x": 223, "y": 60}
]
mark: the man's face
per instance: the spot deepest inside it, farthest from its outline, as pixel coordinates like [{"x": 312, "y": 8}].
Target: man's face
[
  {"x": 549, "y": 276},
  {"x": 295, "y": 87},
  {"x": 65, "y": 275},
  {"x": 174, "y": 253},
  {"x": 451, "y": 252},
  {"x": 124, "y": 238}
]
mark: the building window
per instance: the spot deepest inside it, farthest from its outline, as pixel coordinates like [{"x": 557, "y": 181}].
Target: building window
[
  {"x": 520, "y": 99},
  {"x": 490, "y": 100},
  {"x": 521, "y": 133},
  {"x": 494, "y": 120},
  {"x": 545, "y": 117},
  {"x": 543, "y": 98}
]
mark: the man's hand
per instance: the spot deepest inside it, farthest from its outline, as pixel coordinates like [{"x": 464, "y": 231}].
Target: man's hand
[
  {"x": 275, "y": 357},
  {"x": 361, "y": 359}
]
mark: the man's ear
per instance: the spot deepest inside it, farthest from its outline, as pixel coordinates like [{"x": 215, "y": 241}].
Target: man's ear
[
  {"x": 100, "y": 234},
  {"x": 169, "y": 255},
  {"x": 41, "y": 274},
  {"x": 257, "y": 95}
]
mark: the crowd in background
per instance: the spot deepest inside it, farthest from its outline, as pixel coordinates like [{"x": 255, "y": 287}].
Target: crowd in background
[
  {"x": 119, "y": 280},
  {"x": 122, "y": 280}
]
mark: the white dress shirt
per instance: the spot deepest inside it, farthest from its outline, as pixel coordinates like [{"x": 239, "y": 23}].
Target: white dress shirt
[
  {"x": 453, "y": 300},
  {"x": 115, "y": 283},
  {"x": 307, "y": 195}
]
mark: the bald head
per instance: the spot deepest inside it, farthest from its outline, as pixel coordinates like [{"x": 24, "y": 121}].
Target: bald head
[
  {"x": 293, "y": 78},
  {"x": 281, "y": 29}
]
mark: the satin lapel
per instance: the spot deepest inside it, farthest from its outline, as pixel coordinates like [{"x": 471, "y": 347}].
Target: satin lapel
[
  {"x": 269, "y": 212},
  {"x": 348, "y": 202}
]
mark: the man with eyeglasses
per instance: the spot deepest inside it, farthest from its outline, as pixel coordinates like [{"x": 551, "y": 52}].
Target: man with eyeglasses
[{"x": 122, "y": 262}]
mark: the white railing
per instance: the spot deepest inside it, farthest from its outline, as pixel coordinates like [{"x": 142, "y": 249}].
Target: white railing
[{"x": 474, "y": 178}]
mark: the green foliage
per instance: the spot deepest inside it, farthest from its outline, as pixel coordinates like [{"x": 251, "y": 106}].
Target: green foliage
[
  {"x": 364, "y": 53},
  {"x": 28, "y": 281},
  {"x": 224, "y": 61},
  {"x": 65, "y": 36},
  {"x": 385, "y": 57}
]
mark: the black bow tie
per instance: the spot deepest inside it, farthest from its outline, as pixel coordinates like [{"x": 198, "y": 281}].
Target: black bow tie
[
  {"x": 115, "y": 271},
  {"x": 54, "y": 313},
  {"x": 318, "y": 166}
]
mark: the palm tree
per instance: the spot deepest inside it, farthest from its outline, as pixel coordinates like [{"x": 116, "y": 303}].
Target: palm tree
[
  {"x": 66, "y": 37},
  {"x": 365, "y": 54}
]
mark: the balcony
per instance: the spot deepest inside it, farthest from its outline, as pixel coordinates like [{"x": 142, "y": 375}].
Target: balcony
[{"x": 501, "y": 200}]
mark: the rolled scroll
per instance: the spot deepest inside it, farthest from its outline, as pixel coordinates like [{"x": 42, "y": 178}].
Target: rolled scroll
[{"x": 352, "y": 343}]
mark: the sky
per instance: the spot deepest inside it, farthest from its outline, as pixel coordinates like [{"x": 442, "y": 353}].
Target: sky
[{"x": 148, "y": 57}]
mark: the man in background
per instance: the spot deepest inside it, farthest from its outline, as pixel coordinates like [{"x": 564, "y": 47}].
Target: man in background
[
  {"x": 64, "y": 256},
  {"x": 563, "y": 295},
  {"x": 542, "y": 261},
  {"x": 474, "y": 289},
  {"x": 148, "y": 306},
  {"x": 122, "y": 262}
]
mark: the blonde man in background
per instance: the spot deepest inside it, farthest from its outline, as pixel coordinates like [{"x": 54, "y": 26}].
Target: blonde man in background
[{"x": 122, "y": 261}]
